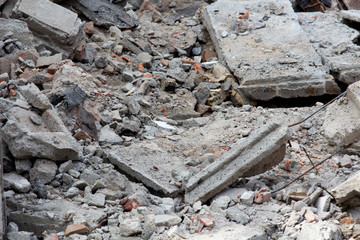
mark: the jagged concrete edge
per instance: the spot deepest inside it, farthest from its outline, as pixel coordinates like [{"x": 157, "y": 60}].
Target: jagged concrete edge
[
  {"x": 236, "y": 149},
  {"x": 189, "y": 198}
]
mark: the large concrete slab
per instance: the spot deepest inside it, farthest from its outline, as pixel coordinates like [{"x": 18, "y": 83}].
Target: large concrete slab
[
  {"x": 55, "y": 27},
  {"x": 273, "y": 58},
  {"x": 50, "y": 14},
  {"x": 335, "y": 41},
  {"x": 261, "y": 150}
]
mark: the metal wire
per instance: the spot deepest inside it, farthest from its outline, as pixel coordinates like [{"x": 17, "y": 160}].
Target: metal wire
[{"x": 323, "y": 107}]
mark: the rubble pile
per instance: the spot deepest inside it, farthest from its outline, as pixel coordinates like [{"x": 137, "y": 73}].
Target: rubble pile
[{"x": 140, "y": 120}]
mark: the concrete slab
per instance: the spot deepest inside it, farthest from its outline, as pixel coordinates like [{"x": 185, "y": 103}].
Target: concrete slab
[
  {"x": 50, "y": 14},
  {"x": 145, "y": 165},
  {"x": 54, "y": 27},
  {"x": 273, "y": 57},
  {"x": 334, "y": 42},
  {"x": 260, "y": 151}
]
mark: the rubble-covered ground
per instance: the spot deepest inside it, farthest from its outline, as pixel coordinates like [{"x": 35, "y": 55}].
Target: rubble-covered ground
[{"x": 111, "y": 108}]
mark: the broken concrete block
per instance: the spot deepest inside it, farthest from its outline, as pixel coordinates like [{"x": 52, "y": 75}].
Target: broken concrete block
[
  {"x": 44, "y": 170},
  {"x": 341, "y": 125},
  {"x": 8, "y": 62},
  {"x": 27, "y": 141},
  {"x": 167, "y": 220},
  {"x": 55, "y": 27},
  {"x": 247, "y": 157},
  {"x": 35, "y": 97},
  {"x": 107, "y": 135},
  {"x": 322, "y": 230},
  {"x": 282, "y": 64},
  {"x": 130, "y": 226},
  {"x": 104, "y": 14},
  {"x": 16, "y": 29},
  {"x": 16, "y": 182},
  {"x": 347, "y": 194},
  {"x": 47, "y": 61},
  {"x": 334, "y": 41},
  {"x": 50, "y": 215}
]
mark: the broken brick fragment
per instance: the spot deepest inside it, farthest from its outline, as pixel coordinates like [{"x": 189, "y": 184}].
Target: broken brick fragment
[
  {"x": 262, "y": 196},
  {"x": 89, "y": 28},
  {"x": 76, "y": 228},
  {"x": 207, "y": 220},
  {"x": 131, "y": 204}
]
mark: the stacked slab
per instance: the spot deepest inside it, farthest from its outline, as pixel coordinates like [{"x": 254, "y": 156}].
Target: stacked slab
[
  {"x": 265, "y": 47},
  {"x": 56, "y": 27}
]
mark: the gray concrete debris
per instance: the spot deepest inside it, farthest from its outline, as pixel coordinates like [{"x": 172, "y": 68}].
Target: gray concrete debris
[
  {"x": 239, "y": 232},
  {"x": 341, "y": 125},
  {"x": 334, "y": 41},
  {"x": 320, "y": 231},
  {"x": 16, "y": 29},
  {"x": 24, "y": 143},
  {"x": 104, "y": 14},
  {"x": 54, "y": 26},
  {"x": 51, "y": 215},
  {"x": 108, "y": 136},
  {"x": 167, "y": 220},
  {"x": 17, "y": 182},
  {"x": 283, "y": 66},
  {"x": 35, "y": 97},
  {"x": 247, "y": 157},
  {"x": 347, "y": 193},
  {"x": 44, "y": 170},
  {"x": 2, "y": 197},
  {"x": 45, "y": 61}
]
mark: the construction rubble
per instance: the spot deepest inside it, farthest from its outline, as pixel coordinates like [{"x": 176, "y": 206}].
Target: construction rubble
[{"x": 170, "y": 119}]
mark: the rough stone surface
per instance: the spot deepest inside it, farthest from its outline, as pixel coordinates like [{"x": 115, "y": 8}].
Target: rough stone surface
[
  {"x": 57, "y": 29},
  {"x": 299, "y": 71},
  {"x": 334, "y": 41},
  {"x": 16, "y": 182},
  {"x": 167, "y": 220},
  {"x": 49, "y": 145},
  {"x": 35, "y": 97},
  {"x": 44, "y": 170},
  {"x": 319, "y": 231},
  {"x": 341, "y": 126},
  {"x": 346, "y": 194},
  {"x": 239, "y": 232},
  {"x": 19, "y": 31}
]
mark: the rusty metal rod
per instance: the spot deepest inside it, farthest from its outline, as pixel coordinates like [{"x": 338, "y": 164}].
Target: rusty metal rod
[
  {"x": 323, "y": 107},
  {"x": 317, "y": 172},
  {"x": 307, "y": 171}
]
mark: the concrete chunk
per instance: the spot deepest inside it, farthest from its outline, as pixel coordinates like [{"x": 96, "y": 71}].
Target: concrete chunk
[
  {"x": 341, "y": 125},
  {"x": 335, "y": 42},
  {"x": 272, "y": 58},
  {"x": 59, "y": 18},
  {"x": 259, "y": 151},
  {"x": 348, "y": 193},
  {"x": 54, "y": 26}
]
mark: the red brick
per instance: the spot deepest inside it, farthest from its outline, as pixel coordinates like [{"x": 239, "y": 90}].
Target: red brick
[{"x": 89, "y": 28}]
